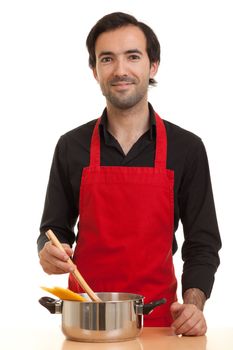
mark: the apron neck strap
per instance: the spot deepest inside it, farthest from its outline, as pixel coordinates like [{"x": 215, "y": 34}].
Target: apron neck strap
[
  {"x": 95, "y": 145},
  {"x": 161, "y": 143},
  {"x": 160, "y": 149}
]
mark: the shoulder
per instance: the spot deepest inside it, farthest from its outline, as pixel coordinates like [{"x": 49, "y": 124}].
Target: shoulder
[
  {"x": 184, "y": 147},
  {"x": 180, "y": 134},
  {"x": 181, "y": 138},
  {"x": 73, "y": 147},
  {"x": 78, "y": 137},
  {"x": 84, "y": 130}
]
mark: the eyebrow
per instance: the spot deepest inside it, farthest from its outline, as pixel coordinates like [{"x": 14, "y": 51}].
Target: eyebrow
[{"x": 106, "y": 53}]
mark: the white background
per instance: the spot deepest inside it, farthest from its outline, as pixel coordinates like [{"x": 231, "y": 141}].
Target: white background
[{"x": 46, "y": 89}]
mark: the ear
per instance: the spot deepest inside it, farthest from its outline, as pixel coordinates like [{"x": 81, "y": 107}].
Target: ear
[
  {"x": 153, "y": 69},
  {"x": 94, "y": 71}
]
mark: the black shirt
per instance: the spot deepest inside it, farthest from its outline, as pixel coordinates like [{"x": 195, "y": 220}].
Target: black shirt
[{"x": 194, "y": 204}]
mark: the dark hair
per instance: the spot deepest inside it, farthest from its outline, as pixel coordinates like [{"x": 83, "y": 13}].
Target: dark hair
[{"x": 116, "y": 20}]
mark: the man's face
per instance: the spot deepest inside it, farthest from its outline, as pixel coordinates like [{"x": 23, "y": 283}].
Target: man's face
[{"x": 122, "y": 67}]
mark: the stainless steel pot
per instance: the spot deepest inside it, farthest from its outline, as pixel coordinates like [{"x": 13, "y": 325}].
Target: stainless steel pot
[{"x": 118, "y": 317}]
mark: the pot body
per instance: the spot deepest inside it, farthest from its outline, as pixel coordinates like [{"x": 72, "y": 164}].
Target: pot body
[{"x": 118, "y": 317}]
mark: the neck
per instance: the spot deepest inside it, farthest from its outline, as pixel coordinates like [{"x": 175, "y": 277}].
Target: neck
[
  {"x": 131, "y": 122},
  {"x": 128, "y": 125}
]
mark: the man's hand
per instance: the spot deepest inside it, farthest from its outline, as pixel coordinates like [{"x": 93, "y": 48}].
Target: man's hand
[
  {"x": 188, "y": 317},
  {"x": 54, "y": 261}
]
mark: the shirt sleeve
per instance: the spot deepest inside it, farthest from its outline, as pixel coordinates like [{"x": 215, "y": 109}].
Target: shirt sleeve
[
  {"x": 60, "y": 212},
  {"x": 201, "y": 234}
]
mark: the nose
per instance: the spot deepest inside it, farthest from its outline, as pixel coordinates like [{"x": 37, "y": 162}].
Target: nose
[{"x": 120, "y": 68}]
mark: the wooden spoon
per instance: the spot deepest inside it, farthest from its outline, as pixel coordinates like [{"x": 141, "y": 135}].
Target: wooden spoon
[{"x": 77, "y": 275}]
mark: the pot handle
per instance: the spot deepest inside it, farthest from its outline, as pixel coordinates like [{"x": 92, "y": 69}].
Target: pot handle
[
  {"x": 54, "y": 306},
  {"x": 148, "y": 308}
]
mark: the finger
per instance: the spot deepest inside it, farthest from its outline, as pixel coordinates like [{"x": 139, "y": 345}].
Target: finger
[
  {"x": 68, "y": 250},
  {"x": 53, "y": 260},
  {"x": 188, "y": 324},
  {"x": 50, "y": 249},
  {"x": 51, "y": 269},
  {"x": 50, "y": 260},
  {"x": 186, "y": 313},
  {"x": 198, "y": 329},
  {"x": 176, "y": 309},
  {"x": 195, "y": 325},
  {"x": 55, "y": 266}
]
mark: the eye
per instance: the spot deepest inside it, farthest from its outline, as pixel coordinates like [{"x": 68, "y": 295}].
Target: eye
[
  {"x": 134, "y": 57},
  {"x": 106, "y": 59}
]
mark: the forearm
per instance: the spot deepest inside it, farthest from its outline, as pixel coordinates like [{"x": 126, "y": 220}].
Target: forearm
[
  {"x": 196, "y": 297},
  {"x": 60, "y": 208},
  {"x": 201, "y": 234}
]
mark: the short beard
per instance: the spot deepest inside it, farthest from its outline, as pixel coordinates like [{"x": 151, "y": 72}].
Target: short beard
[{"x": 124, "y": 103}]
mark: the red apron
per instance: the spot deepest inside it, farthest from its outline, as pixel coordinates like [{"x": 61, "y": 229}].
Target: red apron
[{"x": 126, "y": 228}]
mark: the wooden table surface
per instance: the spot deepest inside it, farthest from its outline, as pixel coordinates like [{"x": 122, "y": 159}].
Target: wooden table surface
[{"x": 152, "y": 338}]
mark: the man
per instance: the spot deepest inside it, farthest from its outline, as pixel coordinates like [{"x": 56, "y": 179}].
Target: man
[{"x": 130, "y": 176}]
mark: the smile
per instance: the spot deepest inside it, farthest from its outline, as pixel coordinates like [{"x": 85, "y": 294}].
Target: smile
[{"x": 122, "y": 85}]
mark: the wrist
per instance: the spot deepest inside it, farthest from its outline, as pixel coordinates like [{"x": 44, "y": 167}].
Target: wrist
[{"x": 195, "y": 296}]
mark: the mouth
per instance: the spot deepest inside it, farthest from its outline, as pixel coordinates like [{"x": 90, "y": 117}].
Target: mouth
[{"x": 122, "y": 85}]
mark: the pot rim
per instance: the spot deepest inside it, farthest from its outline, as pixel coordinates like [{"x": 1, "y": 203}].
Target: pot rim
[{"x": 126, "y": 297}]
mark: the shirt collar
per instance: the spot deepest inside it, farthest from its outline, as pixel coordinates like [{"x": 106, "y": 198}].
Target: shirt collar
[{"x": 106, "y": 135}]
